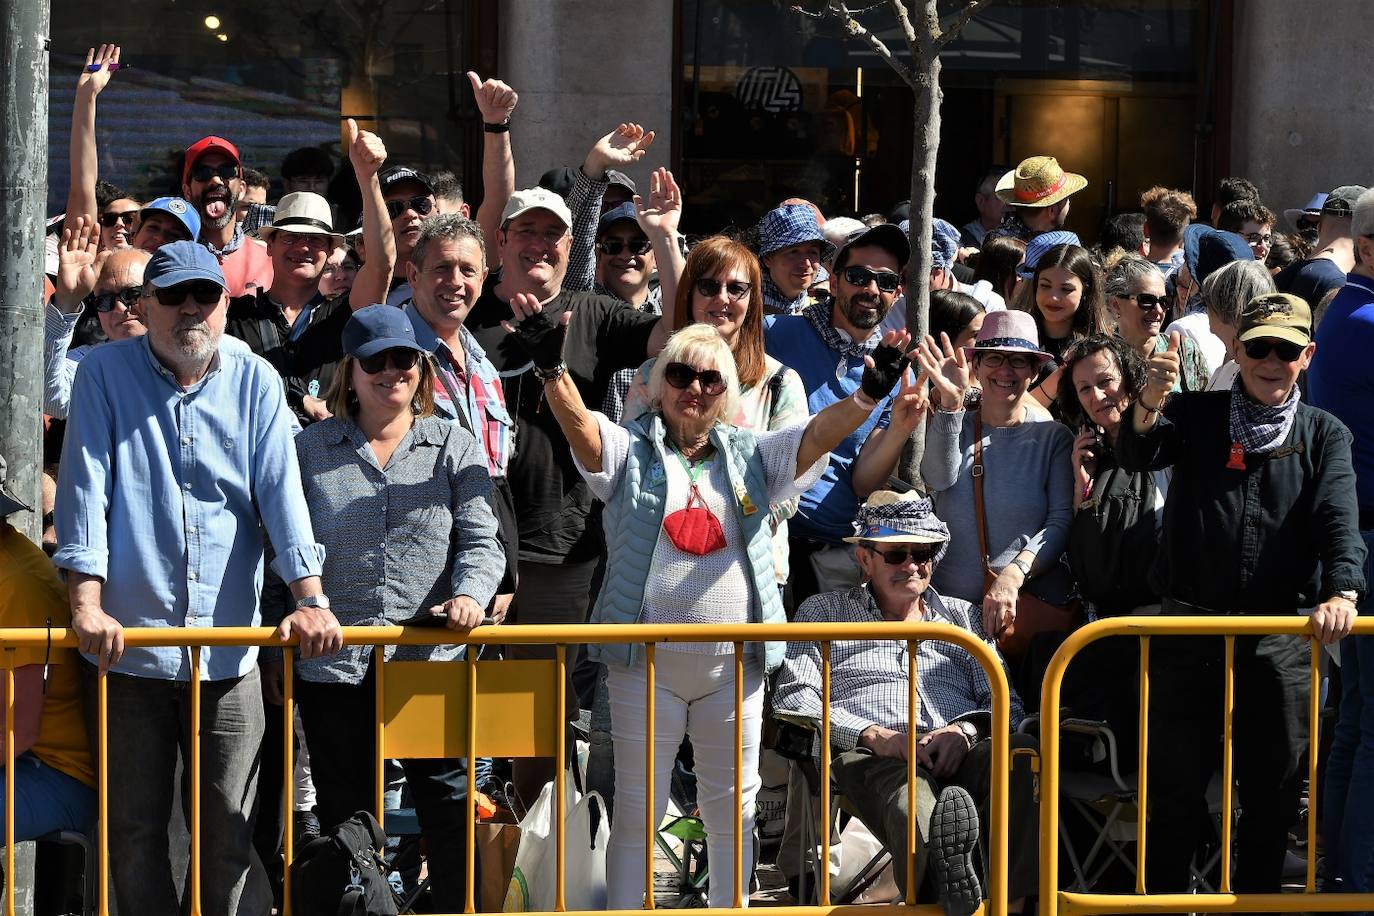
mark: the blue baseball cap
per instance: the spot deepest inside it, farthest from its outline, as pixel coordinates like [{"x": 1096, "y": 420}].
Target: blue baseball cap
[
  {"x": 788, "y": 225},
  {"x": 1206, "y": 249},
  {"x": 182, "y": 262},
  {"x": 180, "y": 210},
  {"x": 376, "y": 328},
  {"x": 1036, "y": 248},
  {"x": 615, "y": 215}
]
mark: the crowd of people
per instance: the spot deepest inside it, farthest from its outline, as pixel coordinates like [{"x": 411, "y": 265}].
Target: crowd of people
[{"x": 561, "y": 410}]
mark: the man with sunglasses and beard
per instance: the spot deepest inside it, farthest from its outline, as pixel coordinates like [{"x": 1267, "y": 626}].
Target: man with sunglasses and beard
[
  {"x": 826, "y": 345},
  {"x": 898, "y": 541},
  {"x": 212, "y": 180},
  {"x": 1264, "y": 489},
  {"x": 117, "y": 288},
  {"x": 178, "y": 455}
]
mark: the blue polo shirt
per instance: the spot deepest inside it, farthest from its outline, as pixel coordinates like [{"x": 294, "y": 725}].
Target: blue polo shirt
[
  {"x": 1341, "y": 378},
  {"x": 827, "y": 509}
]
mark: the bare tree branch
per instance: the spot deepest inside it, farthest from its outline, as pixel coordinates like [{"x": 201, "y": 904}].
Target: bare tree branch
[
  {"x": 855, "y": 29},
  {"x": 913, "y": 43},
  {"x": 951, "y": 32}
]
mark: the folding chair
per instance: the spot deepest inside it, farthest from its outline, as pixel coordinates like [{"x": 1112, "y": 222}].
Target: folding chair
[{"x": 798, "y": 736}]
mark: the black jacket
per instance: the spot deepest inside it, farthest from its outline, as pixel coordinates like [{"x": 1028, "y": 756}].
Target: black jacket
[
  {"x": 1280, "y": 535},
  {"x": 307, "y": 364}
]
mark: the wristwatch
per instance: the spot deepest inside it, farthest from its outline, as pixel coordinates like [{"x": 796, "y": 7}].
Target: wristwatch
[
  {"x": 499, "y": 128},
  {"x": 1349, "y": 595},
  {"x": 319, "y": 601},
  {"x": 1021, "y": 565},
  {"x": 970, "y": 731}
]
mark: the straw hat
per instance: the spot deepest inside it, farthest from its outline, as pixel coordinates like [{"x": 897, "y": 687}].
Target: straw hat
[
  {"x": 888, "y": 517},
  {"x": 1038, "y": 182}
]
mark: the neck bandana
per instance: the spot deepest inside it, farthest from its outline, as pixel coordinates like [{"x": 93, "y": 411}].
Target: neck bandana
[
  {"x": 233, "y": 245},
  {"x": 774, "y": 298},
  {"x": 1259, "y": 428},
  {"x": 820, "y": 317}
]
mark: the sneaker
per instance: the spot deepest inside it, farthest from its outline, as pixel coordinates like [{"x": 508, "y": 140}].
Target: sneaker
[{"x": 953, "y": 839}]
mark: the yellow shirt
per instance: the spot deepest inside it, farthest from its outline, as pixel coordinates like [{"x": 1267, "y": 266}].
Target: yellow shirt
[{"x": 31, "y": 595}]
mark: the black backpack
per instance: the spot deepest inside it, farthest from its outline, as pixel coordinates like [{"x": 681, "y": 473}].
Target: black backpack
[
  {"x": 1113, "y": 541},
  {"x": 342, "y": 873}
]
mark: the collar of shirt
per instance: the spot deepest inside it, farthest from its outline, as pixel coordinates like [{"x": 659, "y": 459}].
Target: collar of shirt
[
  {"x": 146, "y": 346},
  {"x": 234, "y": 243},
  {"x": 303, "y": 318},
  {"x": 1360, "y": 280},
  {"x": 419, "y": 434}
]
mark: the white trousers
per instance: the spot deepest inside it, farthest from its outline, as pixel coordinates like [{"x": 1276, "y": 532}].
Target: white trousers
[{"x": 693, "y": 695}]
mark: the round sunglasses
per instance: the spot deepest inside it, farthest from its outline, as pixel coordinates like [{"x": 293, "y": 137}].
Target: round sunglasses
[
  {"x": 710, "y": 287},
  {"x": 681, "y": 375}
]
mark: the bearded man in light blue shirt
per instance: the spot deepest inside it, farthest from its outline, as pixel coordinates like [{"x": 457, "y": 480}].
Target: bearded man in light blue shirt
[{"x": 178, "y": 454}]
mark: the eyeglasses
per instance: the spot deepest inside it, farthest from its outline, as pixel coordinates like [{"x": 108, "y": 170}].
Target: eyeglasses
[
  {"x": 735, "y": 290},
  {"x": 1286, "y": 349},
  {"x": 205, "y": 292},
  {"x": 108, "y": 220},
  {"x": 421, "y": 205},
  {"x": 402, "y": 358},
  {"x": 224, "y": 171},
  {"x": 1257, "y": 239},
  {"x": 125, "y": 297},
  {"x": 681, "y": 375},
  {"x": 861, "y": 276},
  {"x": 896, "y": 556},
  {"x": 1018, "y": 361},
  {"x": 1148, "y": 301},
  {"x": 614, "y": 247}
]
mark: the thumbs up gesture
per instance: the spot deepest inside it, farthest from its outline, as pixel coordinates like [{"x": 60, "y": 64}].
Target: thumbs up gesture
[
  {"x": 366, "y": 151},
  {"x": 1162, "y": 374},
  {"x": 495, "y": 99}
]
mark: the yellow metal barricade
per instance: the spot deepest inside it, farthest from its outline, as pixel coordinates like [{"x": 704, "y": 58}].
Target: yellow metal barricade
[
  {"x": 513, "y": 708},
  {"x": 1156, "y": 631}
]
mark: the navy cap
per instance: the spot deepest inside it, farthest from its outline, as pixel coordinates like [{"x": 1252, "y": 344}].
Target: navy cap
[
  {"x": 393, "y": 176},
  {"x": 182, "y": 262},
  {"x": 886, "y": 236},
  {"x": 1206, "y": 249},
  {"x": 615, "y": 215},
  {"x": 376, "y": 328}
]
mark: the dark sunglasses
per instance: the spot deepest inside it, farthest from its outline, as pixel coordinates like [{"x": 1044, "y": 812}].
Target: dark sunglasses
[
  {"x": 1286, "y": 349},
  {"x": 613, "y": 247},
  {"x": 1147, "y": 301},
  {"x": 710, "y": 287},
  {"x": 861, "y": 276},
  {"x": 204, "y": 292},
  {"x": 402, "y": 358},
  {"x": 224, "y": 172},
  {"x": 108, "y": 220},
  {"x": 126, "y": 297},
  {"x": 681, "y": 375},
  {"x": 421, "y": 205},
  {"x": 895, "y": 556}
]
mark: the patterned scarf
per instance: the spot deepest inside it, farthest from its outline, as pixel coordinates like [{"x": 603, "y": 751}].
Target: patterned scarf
[
  {"x": 819, "y": 315},
  {"x": 1258, "y": 427},
  {"x": 777, "y": 300},
  {"x": 233, "y": 245}
]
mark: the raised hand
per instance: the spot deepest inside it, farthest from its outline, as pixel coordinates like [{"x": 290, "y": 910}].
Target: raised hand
[
  {"x": 540, "y": 338},
  {"x": 884, "y": 368},
  {"x": 910, "y": 404},
  {"x": 104, "y": 56},
  {"x": 77, "y": 268},
  {"x": 660, "y": 216},
  {"x": 622, "y": 147},
  {"x": 1161, "y": 372},
  {"x": 495, "y": 99},
  {"x": 366, "y": 151},
  {"x": 947, "y": 368}
]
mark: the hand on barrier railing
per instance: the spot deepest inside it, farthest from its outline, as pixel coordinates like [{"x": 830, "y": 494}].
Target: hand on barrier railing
[
  {"x": 1333, "y": 618},
  {"x": 317, "y": 628},
  {"x": 436, "y": 617}
]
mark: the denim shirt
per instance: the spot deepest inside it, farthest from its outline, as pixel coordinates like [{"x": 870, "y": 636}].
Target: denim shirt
[{"x": 164, "y": 493}]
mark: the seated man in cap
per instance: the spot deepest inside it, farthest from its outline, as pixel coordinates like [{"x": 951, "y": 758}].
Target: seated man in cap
[
  {"x": 792, "y": 249},
  {"x": 1334, "y": 257},
  {"x": 212, "y": 180},
  {"x": 899, "y": 541},
  {"x": 291, "y": 323},
  {"x": 1037, "y": 194}
]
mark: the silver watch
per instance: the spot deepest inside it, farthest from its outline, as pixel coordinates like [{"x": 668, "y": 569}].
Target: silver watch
[
  {"x": 320, "y": 601},
  {"x": 970, "y": 731},
  {"x": 1349, "y": 595}
]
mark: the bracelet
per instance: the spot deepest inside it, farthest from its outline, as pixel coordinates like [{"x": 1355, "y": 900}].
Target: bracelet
[
  {"x": 551, "y": 375},
  {"x": 502, "y": 128},
  {"x": 1148, "y": 409}
]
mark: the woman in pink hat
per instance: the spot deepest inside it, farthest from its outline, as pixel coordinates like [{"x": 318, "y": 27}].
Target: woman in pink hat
[{"x": 1026, "y": 477}]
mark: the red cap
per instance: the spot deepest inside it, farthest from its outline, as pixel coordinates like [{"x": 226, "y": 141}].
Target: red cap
[{"x": 203, "y": 146}]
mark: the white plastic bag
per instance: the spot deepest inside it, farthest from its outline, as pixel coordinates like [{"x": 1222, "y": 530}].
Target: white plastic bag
[{"x": 584, "y": 854}]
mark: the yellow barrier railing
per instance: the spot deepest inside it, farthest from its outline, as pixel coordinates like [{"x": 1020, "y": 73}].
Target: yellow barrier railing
[
  {"x": 1068, "y": 903},
  {"x": 469, "y": 742}
]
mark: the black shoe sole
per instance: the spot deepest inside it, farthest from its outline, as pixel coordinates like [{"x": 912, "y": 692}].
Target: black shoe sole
[{"x": 953, "y": 839}]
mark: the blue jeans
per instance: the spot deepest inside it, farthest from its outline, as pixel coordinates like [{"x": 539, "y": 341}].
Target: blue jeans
[
  {"x": 149, "y": 723},
  {"x": 46, "y": 799},
  {"x": 1350, "y": 768}
]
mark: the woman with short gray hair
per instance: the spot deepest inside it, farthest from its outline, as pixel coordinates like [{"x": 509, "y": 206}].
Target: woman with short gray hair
[{"x": 1138, "y": 302}]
